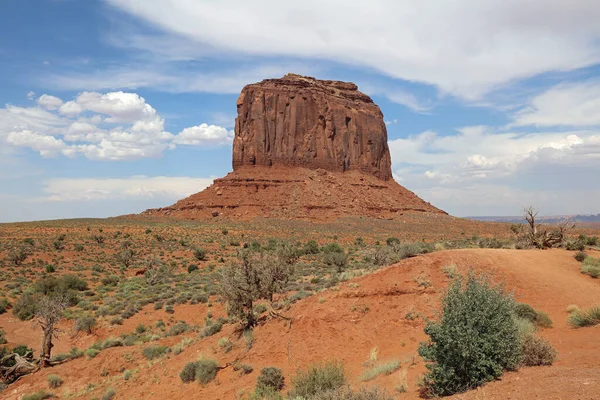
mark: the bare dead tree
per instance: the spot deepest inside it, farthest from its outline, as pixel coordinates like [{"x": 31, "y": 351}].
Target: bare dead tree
[
  {"x": 48, "y": 315},
  {"x": 539, "y": 235}
]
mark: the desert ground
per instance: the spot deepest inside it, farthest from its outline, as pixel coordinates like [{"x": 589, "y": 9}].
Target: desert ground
[{"x": 368, "y": 313}]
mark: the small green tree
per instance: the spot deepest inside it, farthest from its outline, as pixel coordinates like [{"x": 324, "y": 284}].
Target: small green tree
[{"x": 475, "y": 339}]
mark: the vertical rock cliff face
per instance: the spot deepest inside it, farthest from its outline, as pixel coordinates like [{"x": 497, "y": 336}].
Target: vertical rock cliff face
[{"x": 304, "y": 122}]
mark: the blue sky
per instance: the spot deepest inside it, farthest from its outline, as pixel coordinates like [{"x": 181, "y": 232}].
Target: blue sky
[{"x": 109, "y": 107}]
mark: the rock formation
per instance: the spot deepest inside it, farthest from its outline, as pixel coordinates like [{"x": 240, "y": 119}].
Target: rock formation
[
  {"x": 304, "y": 122},
  {"x": 305, "y": 148}
]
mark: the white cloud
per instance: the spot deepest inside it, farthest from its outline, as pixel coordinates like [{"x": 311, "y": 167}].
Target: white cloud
[
  {"x": 46, "y": 145},
  {"x": 478, "y": 169},
  {"x": 464, "y": 47},
  {"x": 172, "y": 80},
  {"x": 204, "y": 135},
  {"x": 88, "y": 189},
  {"x": 31, "y": 95},
  {"x": 86, "y": 126},
  {"x": 49, "y": 102},
  {"x": 567, "y": 104},
  {"x": 398, "y": 96}
]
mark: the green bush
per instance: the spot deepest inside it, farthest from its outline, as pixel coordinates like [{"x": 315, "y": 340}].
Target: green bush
[
  {"x": 206, "y": 370},
  {"x": 188, "y": 373},
  {"x": 200, "y": 255},
  {"x": 537, "y": 351},
  {"x": 26, "y": 306},
  {"x": 41, "y": 395},
  {"x": 475, "y": 339},
  {"x": 589, "y": 317},
  {"x": 191, "y": 268},
  {"x": 345, "y": 393},
  {"x": 4, "y": 305},
  {"x": 92, "y": 352},
  {"x": 210, "y": 328},
  {"x": 318, "y": 378},
  {"x": 337, "y": 260},
  {"x": 3, "y": 337},
  {"x": 109, "y": 395},
  {"x": 54, "y": 381},
  {"x": 85, "y": 324},
  {"x": 203, "y": 371},
  {"x": 270, "y": 377},
  {"x": 392, "y": 241},
  {"x": 153, "y": 352},
  {"x": 591, "y": 267},
  {"x": 580, "y": 256},
  {"x": 539, "y": 318},
  {"x": 311, "y": 247}
]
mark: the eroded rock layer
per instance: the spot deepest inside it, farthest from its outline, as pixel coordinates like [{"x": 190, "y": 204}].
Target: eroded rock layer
[{"x": 305, "y": 122}]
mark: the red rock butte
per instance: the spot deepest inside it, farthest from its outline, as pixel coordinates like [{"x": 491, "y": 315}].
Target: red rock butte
[{"x": 305, "y": 148}]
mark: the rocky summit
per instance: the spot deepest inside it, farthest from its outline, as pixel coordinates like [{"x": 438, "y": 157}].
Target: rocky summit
[
  {"x": 305, "y": 149},
  {"x": 305, "y": 122}
]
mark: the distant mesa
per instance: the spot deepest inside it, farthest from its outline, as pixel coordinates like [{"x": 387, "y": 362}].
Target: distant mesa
[{"x": 304, "y": 148}]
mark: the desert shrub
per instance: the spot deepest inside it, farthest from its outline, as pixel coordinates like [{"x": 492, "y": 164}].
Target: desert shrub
[
  {"x": 50, "y": 268},
  {"x": 537, "y": 351},
  {"x": 345, "y": 393},
  {"x": 589, "y": 317},
  {"x": 210, "y": 328},
  {"x": 392, "y": 241},
  {"x": 26, "y": 306},
  {"x": 592, "y": 240},
  {"x": 474, "y": 340},
  {"x": 92, "y": 352},
  {"x": 109, "y": 394},
  {"x": 225, "y": 344},
  {"x": 380, "y": 369},
  {"x": 337, "y": 260},
  {"x": 3, "y": 337},
  {"x": 153, "y": 352},
  {"x": 112, "y": 280},
  {"x": 311, "y": 247},
  {"x": 270, "y": 377},
  {"x": 318, "y": 378},
  {"x": 206, "y": 370},
  {"x": 591, "y": 267},
  {"x": 178, "y": 329},
  {"x": 41, "y": 395},
  {"x": 54, "y": 381},
  {"x": 539, "y": 318},
  {"x": 188, "y": 373},
  {"x": 575, "y": 245},
  {"x": 580, "y": 256},
  {"x": 332, "y": 248},
  {"x": 4, "y": 305},
  {"x": 141, "y": 328},
  {"x": 191, "y": 268},
  {"x": 85, "y": 324},
  {"x": 18, "y": 256},
  {"x": 200, "y": 254}
]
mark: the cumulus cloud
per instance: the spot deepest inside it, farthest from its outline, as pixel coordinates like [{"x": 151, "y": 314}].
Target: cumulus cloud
[
  {"x": 92, "y": 189},
  {"x": 567, "y": 104},
  {"x": 501, "y": 170},
  {"x": 204, "y": 135},
  {"x": 49, "y": 102},
  {"x": 111, "y": 126},
  {"x": 463, "y": 47}
]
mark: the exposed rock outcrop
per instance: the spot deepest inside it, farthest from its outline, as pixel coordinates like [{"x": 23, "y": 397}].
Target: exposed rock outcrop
[
  {"x": 305, "y": 148},
  {"x": 305, "y": 122}
]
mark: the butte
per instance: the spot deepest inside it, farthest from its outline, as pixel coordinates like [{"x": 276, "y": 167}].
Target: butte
[{"x": 304, "y": 149}]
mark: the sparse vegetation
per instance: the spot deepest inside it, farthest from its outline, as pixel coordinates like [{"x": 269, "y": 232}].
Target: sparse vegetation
[
  {"x": 589, "y": 317},
  {"x": 270, "y": 378},
  {"x": 591, "y": 267},
  {"x": 54, "y": 381},
  {"x": 380, "y": 369},
  {"x": 464, "y": 353},
  {"x": 318, "y": 378}
]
